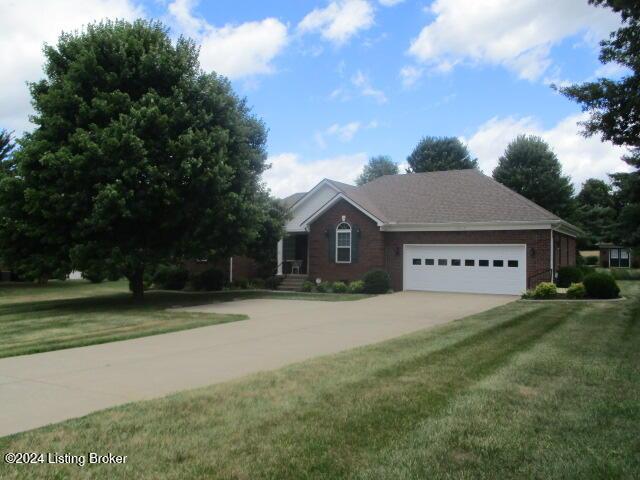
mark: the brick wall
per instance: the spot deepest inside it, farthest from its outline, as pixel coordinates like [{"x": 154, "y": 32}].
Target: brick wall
[
  {"x": 537, "y": 241},
  {"x": 384, "y": 249},
  {"x": 565, "y": 250},
  {"x": 370, "y": 244}
]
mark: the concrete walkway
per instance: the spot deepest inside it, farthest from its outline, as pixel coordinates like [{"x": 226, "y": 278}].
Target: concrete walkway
[{"x": 44, "y": 388}]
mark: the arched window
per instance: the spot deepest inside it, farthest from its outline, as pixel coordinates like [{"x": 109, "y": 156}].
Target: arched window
[{"x": 343, "y": 243}]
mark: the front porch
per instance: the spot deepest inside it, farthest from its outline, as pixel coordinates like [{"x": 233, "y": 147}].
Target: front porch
[{"x": 293, "y": 254}]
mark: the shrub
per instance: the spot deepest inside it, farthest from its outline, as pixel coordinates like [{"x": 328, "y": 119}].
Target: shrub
[
  {"x": 528, "y": 294},
  {"x": 625, "y": 273},
  {"x": 576, "y": 290},
  {"x": 592, "y": 260},
  {"x": 272, "y": 283},
  {"x": 211, "y": 279},
  {"x": 601, "y": 285},
  {"x": 257, "y": 283},
  {"x": 307, "y": 287},
  {"x": 356, "y": 286},
  {"x": 94, "y": 277},
  {"x": 545, "y": 290},
  {"x": 376, "y": 281},
  {"x": 339, "y": 287},
  {"x": 241, "y": 283},
  {"x": 586, "y": 270},
  {"x": 114, "y": 276},
  {"x": 323, "y": 287},
  {"x": 569, "y": 275},
  {"x": 171, "y": 277}
]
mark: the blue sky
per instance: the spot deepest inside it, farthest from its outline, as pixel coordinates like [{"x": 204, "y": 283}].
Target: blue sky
[{"x": 338, "y": 81}]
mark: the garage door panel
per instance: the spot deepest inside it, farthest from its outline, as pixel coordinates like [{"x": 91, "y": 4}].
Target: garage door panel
[{"x": 423, "y": 271}]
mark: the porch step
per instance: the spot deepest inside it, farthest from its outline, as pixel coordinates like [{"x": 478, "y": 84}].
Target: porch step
[{"x": 293, "y": 282}]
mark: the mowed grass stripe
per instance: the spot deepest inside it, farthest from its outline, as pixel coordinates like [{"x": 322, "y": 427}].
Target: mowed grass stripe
[
  {"x": 380, "y": 409},
  {"x": 566, "y": 408}
]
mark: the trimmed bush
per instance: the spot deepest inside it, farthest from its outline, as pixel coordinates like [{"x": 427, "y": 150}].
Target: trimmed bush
[
  {"x": 324, "y": 287},
  {"x": 240, "y": 283},
  {"x": 212, "y": 279},
  {"x": 601, "y": 285},
  {"x": 272, "y": 283},
  {"x": 376, "y": 281},
  {"x": 356, "y": 286},
  {"x": 569, "y": 275},
  {"x": 545, "y": 290},
  {"x": 307, "y": 287},
  {"x": 171, "y": 277},
  {"x": 339, "y": 287},
  {"x": 576, "y": 290},
  {"x": 591, "y": 260}
]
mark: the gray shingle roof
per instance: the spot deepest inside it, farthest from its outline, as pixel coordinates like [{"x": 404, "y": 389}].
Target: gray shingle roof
[
  {"x": 443, "y": 197},
  {"x": 291, "y": 199}
]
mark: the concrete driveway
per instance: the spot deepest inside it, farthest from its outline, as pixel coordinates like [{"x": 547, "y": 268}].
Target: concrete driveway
[{"x": 44, "y": 388}]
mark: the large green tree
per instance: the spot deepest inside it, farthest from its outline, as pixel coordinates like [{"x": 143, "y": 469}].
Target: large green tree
[
  {"x": 433, "y": 154},
  {"x": 6, "y": 150},
  {"x": 377, "y": 167},
  {"x": 529, "y": 167},
  {"x": 139, "y": 157},
  {"x": 595, "y": 212},
  {"x": 614, "y": 110}
]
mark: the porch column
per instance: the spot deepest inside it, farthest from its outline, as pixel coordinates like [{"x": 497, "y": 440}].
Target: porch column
[{"x": 280, "y": 244}]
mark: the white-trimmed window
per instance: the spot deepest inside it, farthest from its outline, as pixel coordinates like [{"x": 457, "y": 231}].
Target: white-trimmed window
[{"x": 343, "y": 243}]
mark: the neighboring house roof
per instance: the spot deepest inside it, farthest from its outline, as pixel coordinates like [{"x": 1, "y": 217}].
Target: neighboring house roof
[
  {"x": 610, "y": 245},
  {"x": 447, "y": 197}
]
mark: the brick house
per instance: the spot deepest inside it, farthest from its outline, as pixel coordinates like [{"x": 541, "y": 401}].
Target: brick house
[{"x": 455, "y": 231}]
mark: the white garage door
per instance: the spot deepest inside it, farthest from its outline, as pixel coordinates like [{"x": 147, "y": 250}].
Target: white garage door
[{"x": 465, "y": 268}]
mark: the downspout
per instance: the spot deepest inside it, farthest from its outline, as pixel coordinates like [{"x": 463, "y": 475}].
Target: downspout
[
  {"x": 230, "y": 269},
  {"x": 551, "y": 250}
]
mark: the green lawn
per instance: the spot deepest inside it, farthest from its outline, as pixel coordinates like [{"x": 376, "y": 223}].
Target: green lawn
[
  {"x": 72, "y": 314},
  {"x": 526, "y": 390}
]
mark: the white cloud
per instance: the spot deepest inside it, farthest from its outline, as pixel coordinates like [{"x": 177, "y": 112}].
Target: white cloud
[
  {"x": 289, "y": 174},
  {"x": 517, "y": 35},
  {"x": 340, "y": 94},
  {"x": 612, "y": 70},
  {"x": 390, "y": 3},
  {"x": 235, "y": 51},
  {"x": 25, "y": 25},
  {"x": 581, "y": 157},
  {"x": 410, "y": 74},
  {"x": 362, "y": 82},
  {"x": 339, "y": 21},
  {"x": 344, "y": 133}
]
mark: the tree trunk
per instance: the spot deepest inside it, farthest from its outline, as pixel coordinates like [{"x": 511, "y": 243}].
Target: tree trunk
[{"x": 136, "y": 284}]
